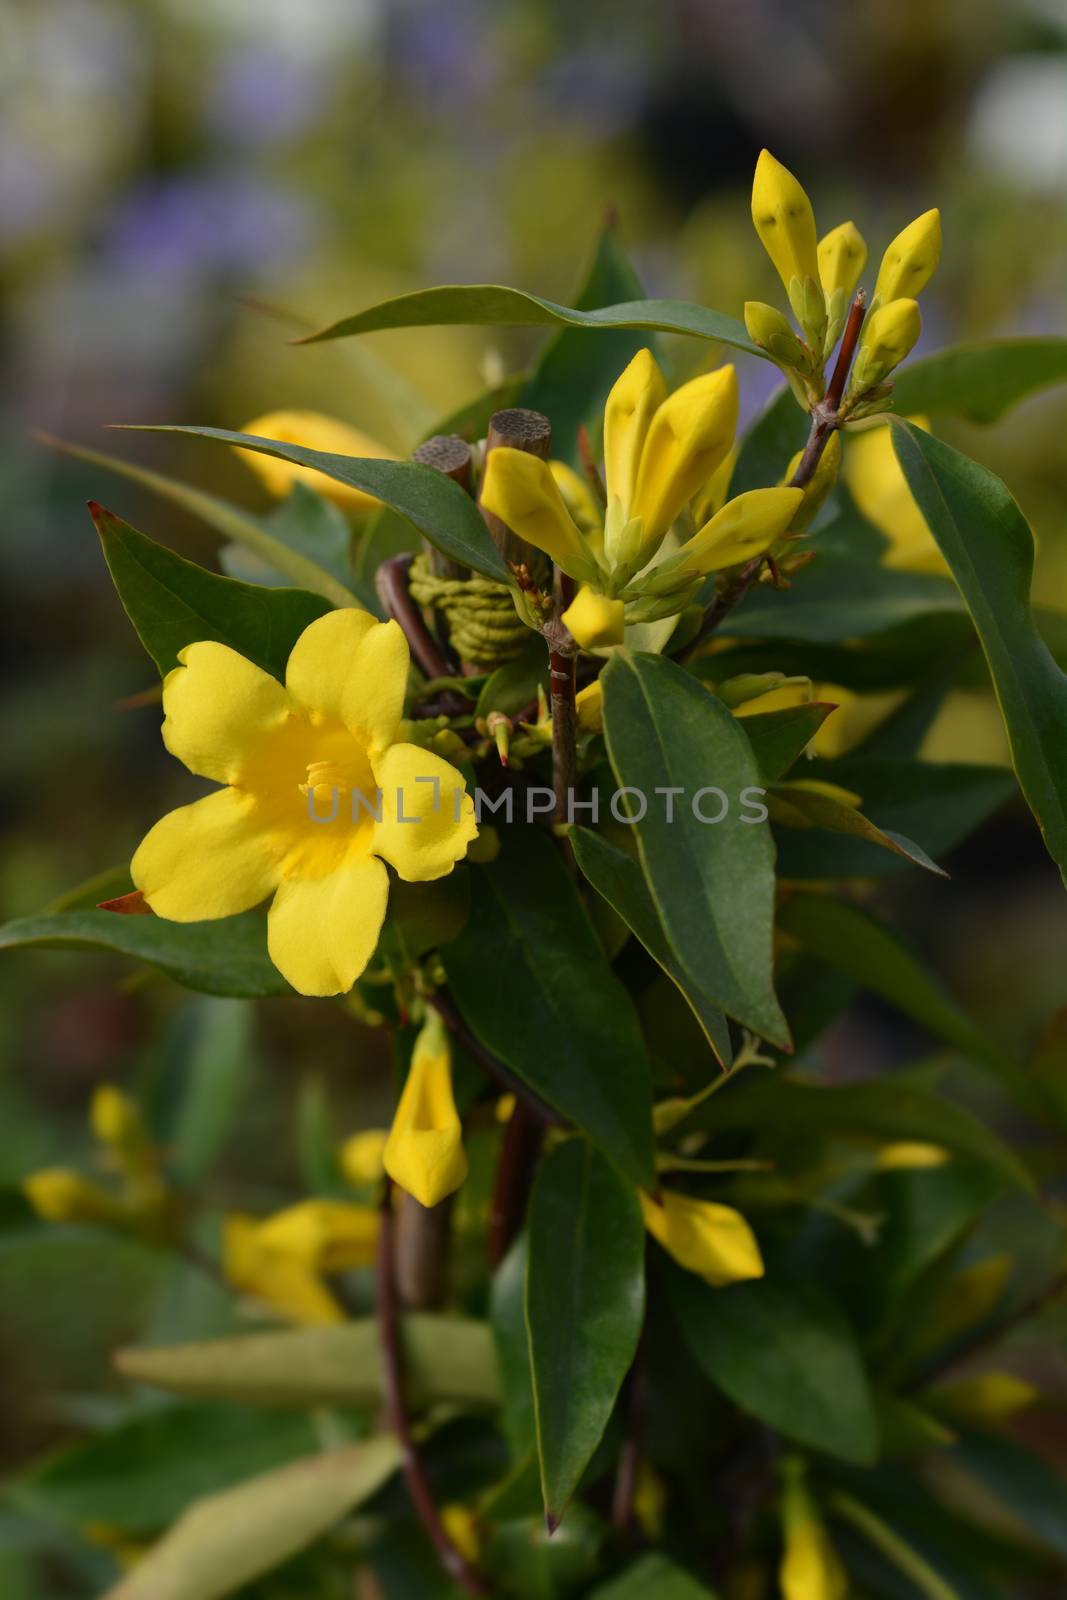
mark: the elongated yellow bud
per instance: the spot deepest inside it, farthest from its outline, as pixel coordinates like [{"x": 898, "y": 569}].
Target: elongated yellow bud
[
  {"x": 113, "y": 1117},
  {"x": 634, "y": 400},
  {"x": 361, "y": 1156},
  {"x": 324, "y": 1235},
  {"x": 689, "y": 436},
  {"x": 316, "y": 432},
  {"x": 892, "y": 331},
  {"x": 842, "y": 257},
  {"x": 519, "y": 489},
  {"x": 811, "y": 1568},
  {"x": 589, "y": 706},
  {"x": 594, "y": 621},
  {"x": 910, "y": 261},
  {"x": 711, "y": 1240},
  {"x": 424, "y": 1152},
  {"x": 784, "y": 220},
  {"x": 745, "y": 527},
  {"x": 768, "y": 328},
  {"x": 58, "y": 1194}
]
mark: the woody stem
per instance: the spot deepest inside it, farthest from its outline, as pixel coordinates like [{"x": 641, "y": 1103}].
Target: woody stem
[{"x": 562, "y": 666}]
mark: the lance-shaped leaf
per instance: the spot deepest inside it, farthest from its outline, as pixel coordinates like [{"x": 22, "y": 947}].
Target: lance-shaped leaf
[
  {"x": 224, "y": 957},
  {"x": 842, "y": 597},
  {"x": 847, "y": 938},
  {"x": 493, "y": 305},
  {"x": 923, "y": 1579},
  {"x": 306, "y": 554},
  {"x": 447, "y": 1361},
  {"x": 1021, "y": 1481},
  {"x": 770, "y": 444},
  {"x": 798, "y": 805},
  {"x": 985, "y": 539},
  {"x": 585, "y": 1303},
  {"x": 779, "y": 738},
  {"x": 562, "y": 1020},
  {"x": 441, "y": 511},
  {"x": 653, "y": 1576},
  {"x": 980, "y": 381},
  {"x": 618, "y": 877},
  {"x": 507, "y": 1310},
  {"x": 783, "y": 1353},
  {"x": 229, "y": 1539},
  {"x": 686, "y": 760},
  {"x": 173, "y": 602}
]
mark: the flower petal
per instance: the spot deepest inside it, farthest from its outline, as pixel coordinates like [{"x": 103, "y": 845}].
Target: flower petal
[
  {"x": 350, "y": 668},
  {"x": 520, "y": 490},
  {"x": 594, "y": 620},
  {"x": 321, "y": 932},
  {"x": 220, "y": 710},
  {"x": 709, "y": 1239},
  {"x": 634, "y": 399},
  {"x": 211, "y": 859},
  {"x": 315, "y": 431},
  {"x": 689, "y": 436},
  {"x": 424, "y": 1153},
  {"x": 427, "y": 815}
]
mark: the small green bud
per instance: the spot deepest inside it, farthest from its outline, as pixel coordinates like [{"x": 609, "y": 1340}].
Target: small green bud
[{"x": 771, "y": 331}]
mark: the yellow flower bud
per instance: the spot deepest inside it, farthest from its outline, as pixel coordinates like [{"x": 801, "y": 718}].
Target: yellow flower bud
[
  {"x": 594, "y": 621},
  {"x": 890, "y": 334},
  {"x": 634, "y": 399},
  {"x": 842, "y": 257},
  {"x": 589, "y": 705},
  {"x": 314, "y": 431},
  {"x": 711, "y": 1240},
  {"x": 114, "y": 1118},
  {"x": 910, "y": 261},
  {"x": 424, "y": 1152},
  {"x": 323, "y": 1235},
  {"x": 578, "y": 498},
  {"x": 361, "y": 1156},
  {"x": 520, "y": 489},
  {"x": 58, "y": 1194},
  {"x": 461, "y": 1525},
  {"x": 784, "y": 220},
  {"x": 745, "y": 527},
  {"x": 689, "y": 436},
  {"x": 273, "y": 1276},
  {"x": 768, "y": 328},
  {"x": 811, "y": 1568},
  {"x": 992, "y": 1397},
  {"x": 910, "y": 1155}
]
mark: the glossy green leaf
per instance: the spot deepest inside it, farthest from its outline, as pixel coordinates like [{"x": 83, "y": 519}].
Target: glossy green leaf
[
  {"x": 796, "y": 806},
  {"x": 712, "y": 882},
  {"x": 529, "y": 1562},
  {"x": 980, "y": 381},
  {"x": 785, "y": 1354},
  {"x": 653, "y": 1578},
  {"x": 227, "y": 957},
  {"x": 839, "y": 598},
  {"x": 441, "y": 511},
  {"x": 779, "y": 738},
  {"x": 507, "y": 1311},
  {"x": 985, "y": 539},
  {"x": 217, "y": 1069},
  {"x": 492, "y": 305},
  {"x": 585, "y": 1303},
  {"x": 576, "y": 370},
  {"x": 885, "y": 1112},
  {"x": 448, "y": 1360},
  {"x": 563, "y": 1020},
  {"x": 847, "y": 938},
  {"x": 172, "y": 602},
  {"x": 228, "y": 1539},
  {"x": 770, "y": 444},
  {"x": 619, "y": 879},
  {"x": 926, "y": 1580},
  {"x": 284, "y": 544}
]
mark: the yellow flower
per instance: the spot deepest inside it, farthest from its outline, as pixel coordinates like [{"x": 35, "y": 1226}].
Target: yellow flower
[
  {"x": 889, "y": 335},
  {"x": 291, "y": 757},
  {"x": 633, "y": 402},
  {"x": 361, "y": 1156},
  {"x": 745, "y": 527},
  {"x": 58, "y": 1194},
  {"x": 114, "y": 1118},
  {"x": 784, "y": 220},
  {"x": 522, "y": 491},
  {"x": 842, "y": 257},
  {"x": 711, "y": 1240},
  {"x": 326, "y": 1235},
  {"x": 589, "y": 704},
  {"x": 910, "y": 261},
  {"x": 314, "y": 431},
  {"x": 279, "y": 1260},
  {"x": 594, "y": 621},
  {"x": 910, "y": 1156},
  {"x": 461, "y": 1525},
  {"x": 811, "y": 1568},
  {"x": 424, "y": 1152},
  {"x": 688, "y": 436},
  {"x": 877, "y": 484}
]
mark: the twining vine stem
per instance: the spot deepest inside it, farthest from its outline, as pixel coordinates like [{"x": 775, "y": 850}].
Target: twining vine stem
[
  {"x": 562, "y": 667},
  {"x": 391, "y": 582}
]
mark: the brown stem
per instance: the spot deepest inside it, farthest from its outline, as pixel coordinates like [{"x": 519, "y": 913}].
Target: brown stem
[
  {"x": 422, "y": 1239},
  {"x": 446, "y": 453},
  {"x": 519, "y": 1150},
  {"x": 501, "y": 1075},
  {"x": 391, "y": 583},
  {"x": 562, "y": 665},
  {"x": 518, "y": 428},
  {"x": 418, "y": 1486},
  {"x": 836, "y": 388}
]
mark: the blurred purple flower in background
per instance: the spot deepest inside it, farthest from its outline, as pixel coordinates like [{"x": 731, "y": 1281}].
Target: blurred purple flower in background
[
  {"x": 260, "y": 95},
  {"x": 217, "y": 222}
]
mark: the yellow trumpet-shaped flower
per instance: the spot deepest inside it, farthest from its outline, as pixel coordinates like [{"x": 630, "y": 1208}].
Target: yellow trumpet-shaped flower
[
  {"x": 361, "y": 1156},
  {"x": 58, "y": 1194},
  {"x": 891, "y": 333},
  {"x": 634, "y": 400},
  {"x": 842, "y": 257},
  {"x": 689, "y": 436},
  {"x": 521, "y": 490},
  {"x": 288, "y": 1285},
  {"x": 745, "y": 527},
  {"x": 712, "y": 1240},
  {"x": 318, "y": 795},
  {"x": 910, "y": 261},
  {"x": 593, "y": 620},
  {"x": 784, "y": 221},
  {"x": 424, "y": 1152},
  {"x": 314, "y": 431}
]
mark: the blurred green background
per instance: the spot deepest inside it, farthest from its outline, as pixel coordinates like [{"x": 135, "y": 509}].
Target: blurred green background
[{"x": 168, "y": 168}]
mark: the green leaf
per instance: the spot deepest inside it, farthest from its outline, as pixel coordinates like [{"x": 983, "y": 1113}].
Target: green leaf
[
  {"x": 447, "y": 1360},
  {"x": 225, "y": 1541},
  {"x": 785, "y": 1354},
  {"x": 563, "y": 1021},
  {"x": 653, "y": 1578},
  {"x": 985, "y": 539},
  {"x": 853, "y": 942},
  {"x": 274, "y": 540},
  {"x": 796, "y": 806},
  {"x": 143, "y": 1474},
  {"x": 779, "y": 738},
  {"x": 226, "y": 957},
  {"x": 471, "y": 420},
  {"x": 492, "y": 305},
  {"x": 712, "y": 882},
  {"x": 513, "y": 686},
  {"x": 839, "y": 598},
  {"x": 618, "y": 878},
  {"x": 883, "y": 1111},
  {"x": 217, "y": 1071},
  {"x": 770, "y": 444},
  {"x": 172, "y": 602},
  {"x": 508, "y": 1315},
  {"x": 980, "y": 381},
  {"x": 527, "y": 1560},
  {"x": 441, "y": 511},
  {"x": 585, "y": 1303},
  {"x": 927, "y": 1582},
  {"x": 1023, "y": 1482},
  {"x": 577, "y": 368}
]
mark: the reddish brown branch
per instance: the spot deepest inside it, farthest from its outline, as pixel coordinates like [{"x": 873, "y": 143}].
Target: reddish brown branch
[
  {"x": 850, "y": 339},
  {"x": 562, "y": 664},
  {"x": 514, "y": 1174},
  {"x": 391, "y": 583}
]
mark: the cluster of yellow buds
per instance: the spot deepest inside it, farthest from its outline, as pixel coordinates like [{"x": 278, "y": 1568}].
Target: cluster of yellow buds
[
  {"x": 820, "y": 277},
  {"x": 661, "y": 451},
  {"x": 139, "y": 1200},
  {"x": 283, "y": 1260}
]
